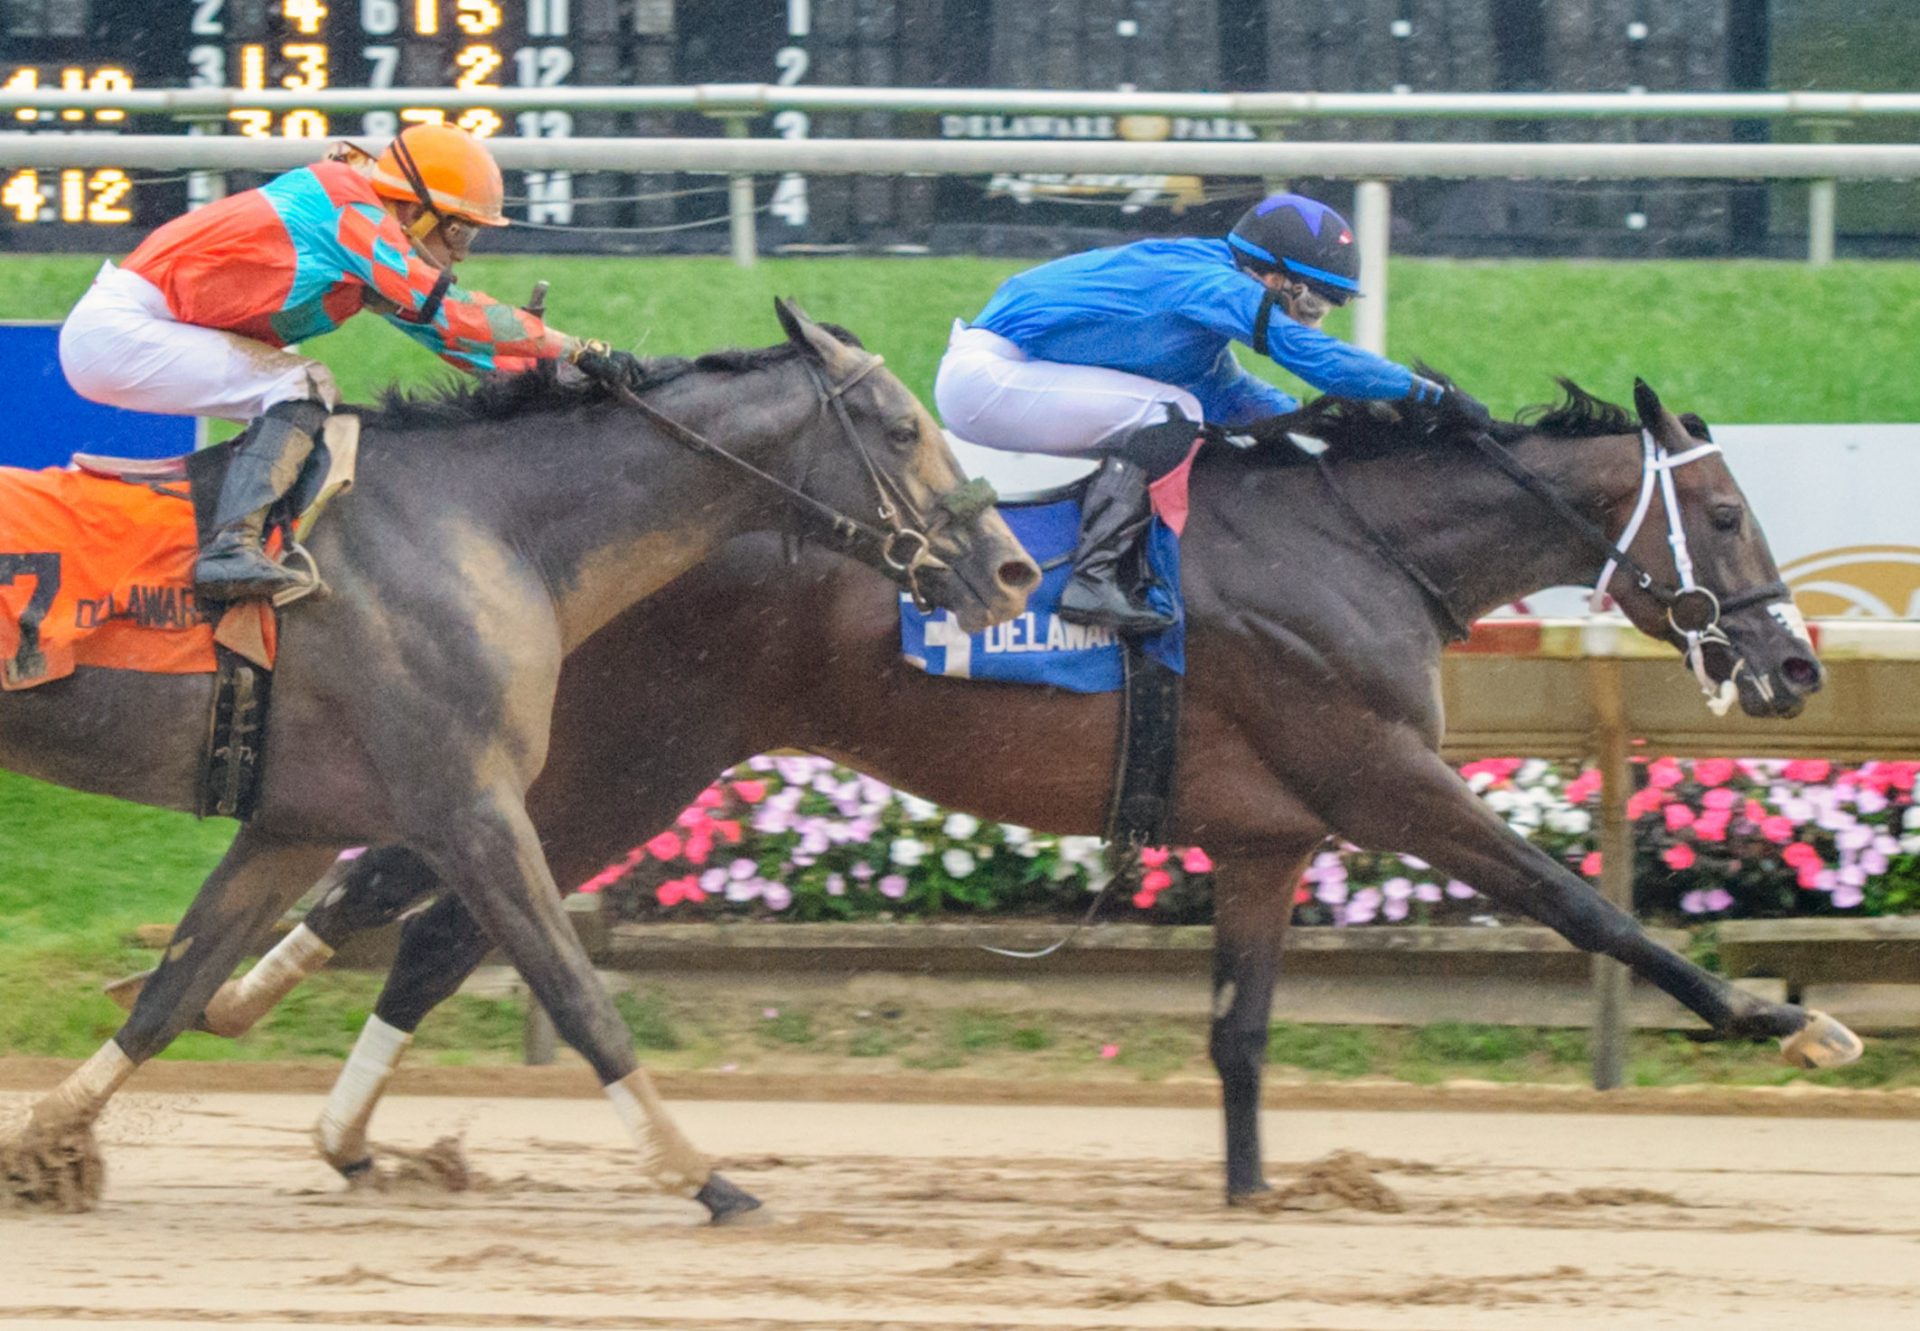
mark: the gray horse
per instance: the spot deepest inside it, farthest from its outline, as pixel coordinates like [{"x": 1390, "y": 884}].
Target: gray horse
[
  {"x": 1312, "y": 710},
  {"x": 491, "y": 533}
]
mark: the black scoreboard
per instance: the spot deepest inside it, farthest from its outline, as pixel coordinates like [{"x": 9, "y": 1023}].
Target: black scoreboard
[{"x": 475, "y": 46}]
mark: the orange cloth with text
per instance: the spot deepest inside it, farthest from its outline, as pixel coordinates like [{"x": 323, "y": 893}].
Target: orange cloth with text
[{"x": 105, "y": 569}]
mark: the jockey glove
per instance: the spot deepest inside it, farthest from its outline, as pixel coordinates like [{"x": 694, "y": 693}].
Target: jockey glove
[
  {"x": 600, "y": 362},
  {"x": 1469, "y": 410}
]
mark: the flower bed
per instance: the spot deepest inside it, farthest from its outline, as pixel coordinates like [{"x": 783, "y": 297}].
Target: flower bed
[{"x": 797, "y": 837}]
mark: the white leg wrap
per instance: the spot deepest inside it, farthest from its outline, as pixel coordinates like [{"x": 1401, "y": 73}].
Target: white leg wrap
[
  {"x": 341, "y": 1133},
  {"x": 665, "y": 1153},
  {"x": 242, "y": 1002},
  {"x": 78, "y": 1100}
]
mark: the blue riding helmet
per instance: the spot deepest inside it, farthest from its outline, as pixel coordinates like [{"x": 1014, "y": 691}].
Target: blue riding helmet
[{"x": 1302, "y": 237}]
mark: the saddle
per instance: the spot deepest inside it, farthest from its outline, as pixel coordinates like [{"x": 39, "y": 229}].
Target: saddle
[{"x": 243, "y": 636}]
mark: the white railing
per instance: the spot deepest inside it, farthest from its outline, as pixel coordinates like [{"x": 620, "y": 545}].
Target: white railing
[{"x": 1373, "y": 164}]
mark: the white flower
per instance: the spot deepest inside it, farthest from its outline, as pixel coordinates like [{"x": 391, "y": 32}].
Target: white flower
[
  {"x": 1911, "y": 819},
  {"x": 960, "y": 826},
  {"x": 957, "y": 862},
  {"x": 1575, "y": 821},
  {"x": 921, "y": 811},
  {"x": 1080, "y": 850},
  {"x": 907, "y": 851}
]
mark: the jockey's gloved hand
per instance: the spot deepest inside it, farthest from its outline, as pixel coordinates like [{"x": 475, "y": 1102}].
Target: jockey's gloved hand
[
  {"x": 1467, "y": 409},
  {"x": 603, "y": 363}
]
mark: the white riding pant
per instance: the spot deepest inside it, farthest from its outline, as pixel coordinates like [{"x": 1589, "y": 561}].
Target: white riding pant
[
  {"x": 122, "y": 346},
  {"x": 992, "y": 393}
]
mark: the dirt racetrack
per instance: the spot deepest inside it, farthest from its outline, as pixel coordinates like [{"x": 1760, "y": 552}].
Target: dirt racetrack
[{"x": 942, "y": 1217}]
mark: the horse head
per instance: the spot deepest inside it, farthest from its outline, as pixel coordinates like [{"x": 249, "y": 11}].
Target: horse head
[
  {"x": 1707, "y": 582},
  {"x": 940, "y": 536}
]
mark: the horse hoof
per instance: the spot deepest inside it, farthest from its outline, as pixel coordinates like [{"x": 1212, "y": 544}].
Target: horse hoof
[
  {"x": 126, "y": 992},
  {"x": 1821, "y": 1043},
  {"x": 726, "y": 1204},
  {"x": 45, "y": 1171},
  {"x": 358, "y": 1173},
  {"x": 1249, "y": 1196}
]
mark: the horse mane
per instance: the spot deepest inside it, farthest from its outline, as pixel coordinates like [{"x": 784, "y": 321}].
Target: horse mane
[
  {"x": 1363, "y": 428},
  {"x": 469, "y": 400}
]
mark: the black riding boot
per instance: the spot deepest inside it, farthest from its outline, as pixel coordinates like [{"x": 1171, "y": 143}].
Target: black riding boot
[
  {"x": 232, "y": 566},
  {"x": 1114, "y": 516}
]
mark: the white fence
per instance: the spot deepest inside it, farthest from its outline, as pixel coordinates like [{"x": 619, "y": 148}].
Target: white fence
[{"x": 1372, "y": 164}]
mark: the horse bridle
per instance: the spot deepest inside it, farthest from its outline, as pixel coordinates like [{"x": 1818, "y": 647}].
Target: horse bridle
[
  {"x": 1693, "y": 611},
  {"x": 905, "y": 548}
]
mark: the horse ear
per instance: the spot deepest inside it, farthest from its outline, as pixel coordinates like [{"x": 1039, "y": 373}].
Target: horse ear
[
  {"x": 1647, "y": 403},
  {"x": 807, "y": 335},
  {"x": 793, "y": 320}
]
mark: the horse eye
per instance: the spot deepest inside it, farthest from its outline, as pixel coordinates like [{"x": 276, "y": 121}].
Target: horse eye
[
  {"x": 1727, "y": 516},
  {"x": 904, "y": 432}
]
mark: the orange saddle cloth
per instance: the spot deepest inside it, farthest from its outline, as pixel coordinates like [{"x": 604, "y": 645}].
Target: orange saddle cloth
[{"x": 99, "y": 572}]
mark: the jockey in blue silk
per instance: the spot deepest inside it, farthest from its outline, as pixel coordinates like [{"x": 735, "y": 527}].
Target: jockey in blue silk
[{"x": 1121, "y": 352}]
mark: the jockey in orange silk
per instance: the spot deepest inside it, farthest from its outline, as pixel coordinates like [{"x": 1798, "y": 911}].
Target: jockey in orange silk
[{"x": 198, "y": 319}]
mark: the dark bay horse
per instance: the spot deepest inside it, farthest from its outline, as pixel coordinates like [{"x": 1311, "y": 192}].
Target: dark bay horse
[
  {"x": 1312, "y": 710},
  {"x": 491, "y": 532}
]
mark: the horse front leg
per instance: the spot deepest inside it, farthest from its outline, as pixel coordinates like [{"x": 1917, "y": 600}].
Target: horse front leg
[
  {"x": 258, "y": 878},
  {"x": 1412, "y": 801},
  {"x": 492, "y": 858},
  {"x": 1252, "y": 908}
]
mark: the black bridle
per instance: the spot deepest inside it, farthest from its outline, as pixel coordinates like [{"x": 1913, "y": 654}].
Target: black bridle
[
  {"x": 905, "y": 547},
  {"x": 1693, "y": 612}
]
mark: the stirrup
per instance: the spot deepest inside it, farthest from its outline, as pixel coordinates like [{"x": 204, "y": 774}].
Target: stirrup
[{"x": 310, "y": 579}]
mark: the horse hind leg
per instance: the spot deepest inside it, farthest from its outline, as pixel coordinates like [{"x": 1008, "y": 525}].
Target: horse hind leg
[
  {"x": 259, "y": 877},
  {"x": 1253, "y": 907}
]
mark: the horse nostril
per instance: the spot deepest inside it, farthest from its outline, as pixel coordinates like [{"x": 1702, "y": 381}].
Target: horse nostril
[
  {"x": 1019, "y": 575},
  {"x": 1802, "y": 672}
]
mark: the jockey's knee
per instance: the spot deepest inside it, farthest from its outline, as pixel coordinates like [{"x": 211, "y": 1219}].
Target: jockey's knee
[{"x": 1157, "y": 447}]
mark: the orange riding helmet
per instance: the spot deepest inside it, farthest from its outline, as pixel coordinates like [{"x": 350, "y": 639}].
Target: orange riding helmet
[{"x": 445, "y": 168}]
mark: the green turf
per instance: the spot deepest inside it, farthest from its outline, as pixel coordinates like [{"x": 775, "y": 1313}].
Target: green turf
[{"x": 1734, "y": 341}]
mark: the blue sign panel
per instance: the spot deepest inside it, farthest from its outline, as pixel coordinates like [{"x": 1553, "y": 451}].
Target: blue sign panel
[{"x": 45, "y": 422}]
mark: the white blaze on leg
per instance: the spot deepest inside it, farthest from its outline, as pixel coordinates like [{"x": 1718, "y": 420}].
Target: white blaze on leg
[
  {"x": 78, "y": 1100},
  {"x": 341, "y": 1133},
  {"x": 242, "y": 1002},
  {"x": 665, "y": 1153}
]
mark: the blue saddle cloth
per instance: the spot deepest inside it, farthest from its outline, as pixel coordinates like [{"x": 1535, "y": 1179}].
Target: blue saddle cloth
[{"x": 1038, "y": 647}]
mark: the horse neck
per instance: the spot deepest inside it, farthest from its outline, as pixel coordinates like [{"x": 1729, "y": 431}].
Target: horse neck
[
  {"x": 612, "y": 510},
  {"x": 1479, "y": 536}
]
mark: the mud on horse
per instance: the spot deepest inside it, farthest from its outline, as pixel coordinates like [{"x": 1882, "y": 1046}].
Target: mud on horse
[
  {"x": 1312, "y": 710},
  {"x": 493, "y": 530}
]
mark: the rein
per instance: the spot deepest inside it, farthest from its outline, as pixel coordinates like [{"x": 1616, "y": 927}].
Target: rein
[{"x": 904, "y": 549}]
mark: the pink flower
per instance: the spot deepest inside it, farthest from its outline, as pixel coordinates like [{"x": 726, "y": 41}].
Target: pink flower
[
  {"x": 1144, "y": 899},
  {"x": 1195, "y": 860},
  {"x": 1678, "y": 815},
  {"x": 1590, "y": 865},
  {"x": 664, "y": 847},
  {"x": 893, "y": 886},
  {"x": 710, "y": 798},
  {"x": 1645, "y": 801},
  {"x": 1583, "y": 787},
  {"x": 1156, "y": 880},
  {"x": 1809, "y": 877},
  {"x": 1712, "y": 826},
  {"x": 728, "y": 828},
  {"x": 1153, "y": 856},
  {"x": 670, "y": 892},
  {"x": 1720, "y": 799},
  {"x": 1755, "y": 811},
  {"x": 1109, "y": 1051},
  {"x": 1713, "y": 771},
  {"x": 1807, "y": 769},
  {"x": 1664, "y": 774},
  {"x": 1800, "y": 855},
  {"x": 699, "y": 847},
  {"x": 1678, "y": 857},
  {"x": 752, "y": 792},
  {"x": 1777, "y": 828}
]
